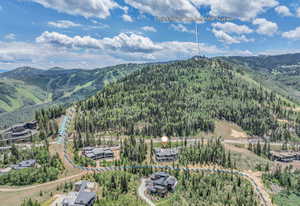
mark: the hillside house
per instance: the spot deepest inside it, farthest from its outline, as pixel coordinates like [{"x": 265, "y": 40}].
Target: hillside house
[
  {"x": 19, "y": 132},
  {"x": 165, "y": 155},
  {"x": 160, "y": 183},
  {"x": 284, "y": 156},
  {"x": 98, "y": 153},
  {"x": 24, "y": 164},
  {"x": 82, "y": 195}
]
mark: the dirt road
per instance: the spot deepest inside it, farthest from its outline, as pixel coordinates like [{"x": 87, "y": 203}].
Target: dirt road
[
  {"x": 141, "y": 192},
  {"x": 12, "y": 189}
]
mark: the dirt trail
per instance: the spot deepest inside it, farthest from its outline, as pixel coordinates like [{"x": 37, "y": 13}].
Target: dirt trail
[
  {"x": 141, "y": 193},
  {"x": 256, "y": 177},
  {"x": 12, "y": 189}
]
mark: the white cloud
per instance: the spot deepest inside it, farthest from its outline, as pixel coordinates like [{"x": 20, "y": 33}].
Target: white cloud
[
  {"x": 10, "y": 36},
  {"x": 283, "y": 10},
  {"x": 63, "y": 24},
  {"x": 229, "y": 27},
  {"x": 245, "y": 10},
  {"x": 222, "y": 32},
  {"x": 181, "y": 28},
  {"x": 298, "y": 12},
  {"x": 54, "y": 49},
  {"x": 86, "y": 8},
  {"x": 17, "y": 54},
  {"x": 293, "y": 34},
  {"x": 127, "y": 18},
  {"x": 149, "y": 29},
  {"x": 123, "y": 42},
  {"x": 224, "y": 37},
  {"x": 128, "y": 46},
  {"x": 241, "y": 9},
  {"x": 265, "y": 27},
  {"x": 163, "y": 8}
]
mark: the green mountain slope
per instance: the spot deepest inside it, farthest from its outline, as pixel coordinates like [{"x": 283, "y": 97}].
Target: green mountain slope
[
  {"x": 25, "y": 89},
  {"x": 75, "y": 83},
  {"x": 281, "y": 72},
  {"x": 16, "y": 94},
  {"x": 184, "y": 98}
]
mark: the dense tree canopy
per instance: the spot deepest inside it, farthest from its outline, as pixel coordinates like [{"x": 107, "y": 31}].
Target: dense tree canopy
[{"x": 182, "y": 99}]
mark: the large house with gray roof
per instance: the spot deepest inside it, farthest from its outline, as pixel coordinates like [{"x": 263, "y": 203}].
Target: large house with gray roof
[
  {"x": 98, "y": 153},
  {"x": 82, "y": 195},
  {"x": 160, "y": 183},
  {"x": 24, "y": 164},
  {"x": 19, "y": 132},
  {"x": 165, "y": 155}
]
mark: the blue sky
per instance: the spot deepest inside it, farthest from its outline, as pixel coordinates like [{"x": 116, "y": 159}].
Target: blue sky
[{"x": 96, "y": 33}]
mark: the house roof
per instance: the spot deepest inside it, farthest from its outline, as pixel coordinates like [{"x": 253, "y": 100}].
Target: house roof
[
  {"x": 27, "y": 163},
  {"x": 24, "y": 164},
  {"x": 160, "y": 181},
  {"x": 161, "y": 174},
  {"x": 166, "y": 152},
  {"x": 101, "y": 151},
  {"x": 85, "y": 197},
  {"x": 171, "y": 180}
]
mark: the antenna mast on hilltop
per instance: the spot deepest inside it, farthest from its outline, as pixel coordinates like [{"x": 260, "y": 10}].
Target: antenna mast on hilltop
[{"x": 197, "y": 39}]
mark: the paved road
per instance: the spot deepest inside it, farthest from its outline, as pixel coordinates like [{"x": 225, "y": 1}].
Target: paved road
[
  {"x": 265, "y": 200},
  {"x": 192, "y": 140},
  {"x": 141, "y": 192}
]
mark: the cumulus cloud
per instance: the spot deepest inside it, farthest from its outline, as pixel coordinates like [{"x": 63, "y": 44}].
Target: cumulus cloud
[
  {"x": 181, "y": 28},
  {"x": 229, "y": 27},
  {"x": 63, "y": 24},
  {"x": 245, "y": 10},
  {"x": 149, "y": 29},
  {"x": 265, "y": 27},
  {"x": 293, "y": 34},
  {"x": 163, "y": 8},
  {"x": 122, "y": 42},
  {"x": 61, "y": 50},
  {"x": 222, "y": 32},
  {"x": 283, "y": 10},
  {"x": 10, "y": 36},
  {"x": 228, "y": 39},
  {"x": 298, "y": 12},
  {"x": 127, "y": 18},
  {"x": 129, "y": 46},
  {"x": 17, "y": 54},
  {"x": 86, "y": 8}
]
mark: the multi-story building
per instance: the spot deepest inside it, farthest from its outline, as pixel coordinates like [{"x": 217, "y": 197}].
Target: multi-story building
[
  {"x": 98, "y": 153},
  {"x": 82, "y": 195},
  {"x": 163, "y": 155},
  {"x": 19, "y": 132},
  {"x": 160, "y": 183},
  {"x": 284, "y": 156}
]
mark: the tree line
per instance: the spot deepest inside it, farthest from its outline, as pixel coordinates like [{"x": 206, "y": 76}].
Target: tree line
[{"x": 182, "y": 99}]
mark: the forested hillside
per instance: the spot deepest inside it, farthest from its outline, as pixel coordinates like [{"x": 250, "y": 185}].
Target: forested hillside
[
  {"x": 184, "y": 98},
  {"x": 281, "y": 72},
  {"x": 25, "y": 89}
]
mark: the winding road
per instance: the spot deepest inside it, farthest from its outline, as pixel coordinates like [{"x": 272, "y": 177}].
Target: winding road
[
  {"x": 62, "y": 139},
  {"x": 141, "y": 192}
]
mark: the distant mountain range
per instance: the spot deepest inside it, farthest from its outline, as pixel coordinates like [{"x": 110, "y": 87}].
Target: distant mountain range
[
  {"x": 26, "y": 88},
  {"x": 1, "y": 70},
  {"x": 280, "y": 73}
]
